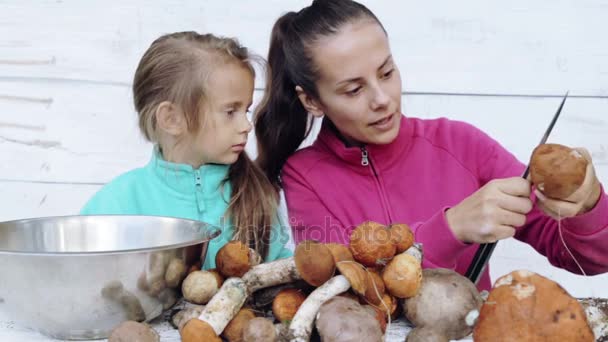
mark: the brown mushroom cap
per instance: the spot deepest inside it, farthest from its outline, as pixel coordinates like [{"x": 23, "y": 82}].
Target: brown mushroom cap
[
  {"x": 198, "y": 331},
  {"x": 356, "y": 275},
  {"x": 524, "y": 306},
  {"x": 557, "y": 170},
  {"x": 403, "y": 276},
  {"x": 402, "y": 236},
  {"x": 133, "y": 331},
  {"x": 234, "y": 330},
  {"x": 375, "y": 287},
  {"x": 232, "y": 260},
  {"x": 340, "y": 252},
  {"x": 371, "y": 244},
  {"x": 286, "y": 304},
  {"x": 314, "y": 262}
]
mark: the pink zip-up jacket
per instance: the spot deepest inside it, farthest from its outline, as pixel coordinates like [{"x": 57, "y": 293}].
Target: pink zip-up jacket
[{"x": 431, "y": 166}]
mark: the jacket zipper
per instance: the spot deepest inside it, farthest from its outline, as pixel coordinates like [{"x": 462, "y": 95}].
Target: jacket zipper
[{"x": 366, "y": 161}]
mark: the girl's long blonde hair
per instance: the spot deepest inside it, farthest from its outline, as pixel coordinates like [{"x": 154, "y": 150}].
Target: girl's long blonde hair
[{"x": 175, "y": 69}]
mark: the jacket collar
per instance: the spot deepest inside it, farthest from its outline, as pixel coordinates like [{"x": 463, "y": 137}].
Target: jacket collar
[
  {"x": 184, "y": 178},
  {"x": 381, "y": 156}
]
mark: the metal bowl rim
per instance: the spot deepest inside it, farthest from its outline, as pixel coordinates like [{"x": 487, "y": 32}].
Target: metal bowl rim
[{"x": 214, "y": 232}]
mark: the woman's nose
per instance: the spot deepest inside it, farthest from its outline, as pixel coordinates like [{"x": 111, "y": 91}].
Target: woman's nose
[{"x": 380, "y": 98}]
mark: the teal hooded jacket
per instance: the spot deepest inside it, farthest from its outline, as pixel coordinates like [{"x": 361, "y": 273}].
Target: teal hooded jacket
[{"x": 162, "y": 188}]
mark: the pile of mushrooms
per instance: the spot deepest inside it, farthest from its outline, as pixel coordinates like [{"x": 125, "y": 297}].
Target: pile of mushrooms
[{"x": 356, "y": 289}]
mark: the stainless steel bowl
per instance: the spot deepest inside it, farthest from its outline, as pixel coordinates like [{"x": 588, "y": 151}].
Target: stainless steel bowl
[{"x": 77, "y": 277}]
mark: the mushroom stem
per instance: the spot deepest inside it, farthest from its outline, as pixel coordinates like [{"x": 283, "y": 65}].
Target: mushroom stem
[
  {"x": 225, "y": 304},
  {"x": 302, "y": 323},
  {"x": 233, "y": 293},
  {"x": 270, "y": 274}
]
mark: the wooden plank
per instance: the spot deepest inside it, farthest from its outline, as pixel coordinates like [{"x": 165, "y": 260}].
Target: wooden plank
[
  {"x": 26, "y": 200},
  {"x": 470, "y": 47},
  {"x": 88, "y": 133}
]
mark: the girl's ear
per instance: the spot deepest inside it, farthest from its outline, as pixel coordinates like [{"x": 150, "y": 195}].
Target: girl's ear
[
  {"x": 170, "y": 119},
  {"x": 311, "y": 105}
]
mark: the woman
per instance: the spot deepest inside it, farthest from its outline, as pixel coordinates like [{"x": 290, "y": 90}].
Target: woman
[{"x": 455, "y": 186}]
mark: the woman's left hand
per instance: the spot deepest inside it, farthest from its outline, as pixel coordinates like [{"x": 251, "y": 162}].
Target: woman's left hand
[{"x": 580, "y": 202}]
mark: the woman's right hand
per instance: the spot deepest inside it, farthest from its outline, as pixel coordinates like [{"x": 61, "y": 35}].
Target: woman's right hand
[{"x": 493, "y": 212}]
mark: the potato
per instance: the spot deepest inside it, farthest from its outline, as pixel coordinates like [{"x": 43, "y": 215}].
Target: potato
[{"x": 557, "y": 170}]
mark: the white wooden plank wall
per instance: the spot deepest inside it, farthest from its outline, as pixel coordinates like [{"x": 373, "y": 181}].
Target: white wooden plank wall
[{"x": 67, "y": 125}]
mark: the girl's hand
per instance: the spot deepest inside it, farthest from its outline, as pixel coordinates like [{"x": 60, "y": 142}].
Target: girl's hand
[
  {"x": 580, "y": 202},
  {"x": 493, "y": 212}
]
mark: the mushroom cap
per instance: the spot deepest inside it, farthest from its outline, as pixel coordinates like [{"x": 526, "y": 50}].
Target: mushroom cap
[
  {"x": 443, "y": 303},
  {"x": 198, "y": 331},
  {"x": 371, "y": 244},
  {"x": 286, "y": 304},
  {"x": 259, "y": 329},
  {"x": 234, "y": 330},
  {"x": 557, "y": 170},
  {"x": 356, "y": 275},
  {"x": 375, "y": 287},
  {"x": 402, "y": 236},
  {"x": 342, "y": 319},
  {"x": 199, "y": 287},
  {"x": 232, "y": 260},
  {"x": 524, "y": 306},
  {"x": 403, "y": 276},
  {"x": 133, "y": 331},
  {"x": 340, "y": 252},
  {"x": 378, "y": 315},
  {"x": 314, "y": 262}
]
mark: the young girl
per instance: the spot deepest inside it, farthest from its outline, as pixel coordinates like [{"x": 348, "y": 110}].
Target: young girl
[
  {"x": 454, "y": 185},
  {"x": 192, "y": 93}
]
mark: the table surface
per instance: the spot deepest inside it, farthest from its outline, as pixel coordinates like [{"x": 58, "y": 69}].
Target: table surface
[{"x": 13, "y": 332}]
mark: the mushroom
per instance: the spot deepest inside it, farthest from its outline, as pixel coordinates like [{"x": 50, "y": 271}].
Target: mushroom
[
  {"x": 259, "y": 329},
  {"x": 403, "y": 274},
  {"x": 524, "y": 306},
  {"x": 182, "y": 317},
  {"x": 233, "y": 293},
  {"x": 308, "y": 255},
  {"x": 341, "y": 319},
  {"x": 198, "y": 331},
  {"x": 375, "y": 287},
  {"x": 234, "y": 330},
  {"x": 131, "y": 331},
  {"x": 340, "y": 252},
  {"x": 199, "y": 287},
  {"x": 371, "y": 244},
  {"x": 176, "y": 272},
  {"x": 286, "y": 304},
  {"x": 114, "y": 291},
  {"x": 402, "y": 236},
  {"x": 302, "y": 323},
  {"x": 443, "y": 303},
  {"x": 356, "y": 275},
  {"x": 233, "y": 259},
  {"x": 557, "y": 170}
]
